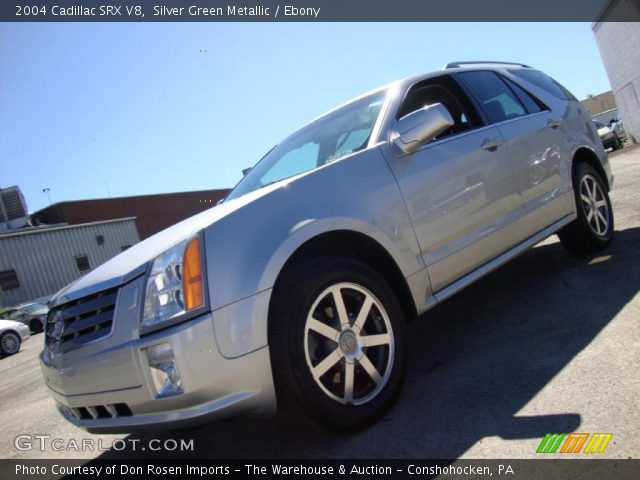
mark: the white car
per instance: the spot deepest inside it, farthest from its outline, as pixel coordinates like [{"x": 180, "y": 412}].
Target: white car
[
  {"x": 608, "y": 136},
  {"x": 12, "y": 334}
]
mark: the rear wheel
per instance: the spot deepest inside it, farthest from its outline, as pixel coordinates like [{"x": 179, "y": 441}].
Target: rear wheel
[
  {"x": 337, "y": 344},
  {"x": 9, "y": 343},
  {"x": 593, "y": 228}
]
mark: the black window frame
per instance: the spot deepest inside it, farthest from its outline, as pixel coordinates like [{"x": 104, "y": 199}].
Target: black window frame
[{"x": 14, "y": 280}]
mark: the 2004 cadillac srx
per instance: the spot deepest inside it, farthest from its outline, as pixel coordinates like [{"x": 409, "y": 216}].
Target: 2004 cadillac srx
[{"x": 293, "y": 294}]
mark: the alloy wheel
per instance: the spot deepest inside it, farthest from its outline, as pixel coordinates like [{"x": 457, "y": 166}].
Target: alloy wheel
[
  {"x": 595, "y": 205},
  {"x": 10, "y": 343},
  {"x": 349, "y": 344}
]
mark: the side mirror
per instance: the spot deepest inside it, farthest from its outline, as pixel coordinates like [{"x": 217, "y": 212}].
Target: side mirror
[
  {"x": 417, "y": 128},
  {"x": 245, "y": 171}
]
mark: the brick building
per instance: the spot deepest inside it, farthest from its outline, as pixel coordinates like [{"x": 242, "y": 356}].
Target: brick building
[
  {"x": 599, "y": 103},
  {"x": 153, "y": 212}
]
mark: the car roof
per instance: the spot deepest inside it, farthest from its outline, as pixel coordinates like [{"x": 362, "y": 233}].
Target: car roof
[
  {"x": 460, "y": 67},
  {"x": 404, "y": 83}
]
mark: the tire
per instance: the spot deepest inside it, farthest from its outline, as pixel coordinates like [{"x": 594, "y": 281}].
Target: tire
[
  {"x": 298, "y": 349},
  {"x": 616, "y": 144},
  {"x": 35, "y": 325},
  {"x": 589, "y": 232},
  {"x": 9, "y": 343}
]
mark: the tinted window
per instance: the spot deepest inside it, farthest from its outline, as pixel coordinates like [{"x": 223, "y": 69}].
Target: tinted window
[
  {"x": 544, "y": 82},
  {"x": 445, "y": 91},
  {"x": 496, "y": 98},
  {"x": 530, "y": 103}
]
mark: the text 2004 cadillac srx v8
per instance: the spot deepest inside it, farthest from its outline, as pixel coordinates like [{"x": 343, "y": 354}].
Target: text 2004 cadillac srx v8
[{"x": 293, "y": 294}]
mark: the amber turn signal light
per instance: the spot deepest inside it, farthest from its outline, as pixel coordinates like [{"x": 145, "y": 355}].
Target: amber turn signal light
[{"x": 192, "y": 276}]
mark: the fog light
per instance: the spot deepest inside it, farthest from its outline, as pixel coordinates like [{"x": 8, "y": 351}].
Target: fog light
[{"x": 164, "y": 370}]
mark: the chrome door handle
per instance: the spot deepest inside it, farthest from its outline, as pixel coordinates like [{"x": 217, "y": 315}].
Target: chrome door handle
[
  {"x": 553, "y": 123},
  {"x": 492, "y": 144}
]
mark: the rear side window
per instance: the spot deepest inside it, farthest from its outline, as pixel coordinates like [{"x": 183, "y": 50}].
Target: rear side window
[
  {"x": 532, "y": 104},
  {"x": 544, "y": 82},
  {"x": 497, "y": 100}
]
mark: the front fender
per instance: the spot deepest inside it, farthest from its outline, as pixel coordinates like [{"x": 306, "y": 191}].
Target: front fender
[{"x": 246, "y": 251}]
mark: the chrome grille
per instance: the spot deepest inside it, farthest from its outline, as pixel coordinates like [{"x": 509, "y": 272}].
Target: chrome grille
[{"x": 82, "y": 321}]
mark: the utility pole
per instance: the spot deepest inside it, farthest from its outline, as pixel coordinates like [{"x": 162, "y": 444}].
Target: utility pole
[{"x": 47, "y": 190}]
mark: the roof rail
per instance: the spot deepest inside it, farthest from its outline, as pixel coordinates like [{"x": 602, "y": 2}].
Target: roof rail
[{"x": 460, "y": 64}]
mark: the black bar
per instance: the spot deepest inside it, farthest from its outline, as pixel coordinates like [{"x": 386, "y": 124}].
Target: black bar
[
  {"x": 550, "y": 469},
  {"x": 318, "y": 10}
]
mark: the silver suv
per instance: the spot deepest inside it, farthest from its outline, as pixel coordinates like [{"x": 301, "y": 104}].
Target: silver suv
[{"x": 293, "y": 294}]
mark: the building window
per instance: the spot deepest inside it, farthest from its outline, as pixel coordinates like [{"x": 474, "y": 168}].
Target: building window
[
  {"x": 9, "y": 280},
  {"x": 100, "y": 239},
  {"x": 82, "y": 261},
  {"x": 125, "y": 247}
]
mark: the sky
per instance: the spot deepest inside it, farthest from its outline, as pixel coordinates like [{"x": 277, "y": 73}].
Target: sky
[{"x": 106, "y": 110}]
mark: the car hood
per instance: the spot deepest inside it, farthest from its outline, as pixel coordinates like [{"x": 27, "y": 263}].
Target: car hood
[
  {"x": 10, "y": 324},
  {"x": 133, "y": 261},
  {"x": 40, "y": 311}
]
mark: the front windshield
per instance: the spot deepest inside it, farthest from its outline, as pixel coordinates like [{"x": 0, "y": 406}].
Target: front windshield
[
  {"x": 333, "y": 136},
  {"x": 23, "y": 311},
  {"x": 599, "y": 125}
]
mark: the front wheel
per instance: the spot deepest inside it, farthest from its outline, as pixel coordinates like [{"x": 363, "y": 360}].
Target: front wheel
[
  {"x": 9, "y": 343},
  {"x": 592, "y": 230},
  {"x": 337, "y": 344}
]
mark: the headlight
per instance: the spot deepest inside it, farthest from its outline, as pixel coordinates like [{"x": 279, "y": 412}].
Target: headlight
[{"x": 175, "y": 286}]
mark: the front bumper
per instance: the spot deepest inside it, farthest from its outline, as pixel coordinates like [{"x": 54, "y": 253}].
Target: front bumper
[
  {"x": 24, "y": 332},
  {"x": 107, "y": 387}
]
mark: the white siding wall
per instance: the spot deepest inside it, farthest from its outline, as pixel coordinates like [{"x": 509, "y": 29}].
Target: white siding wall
[
  {"x": 45, "y": 260},
  {"x": 619, "y": 44}
]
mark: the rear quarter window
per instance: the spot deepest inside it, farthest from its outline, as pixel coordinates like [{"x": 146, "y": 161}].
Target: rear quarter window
[{"x": 544, "y": 82}]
